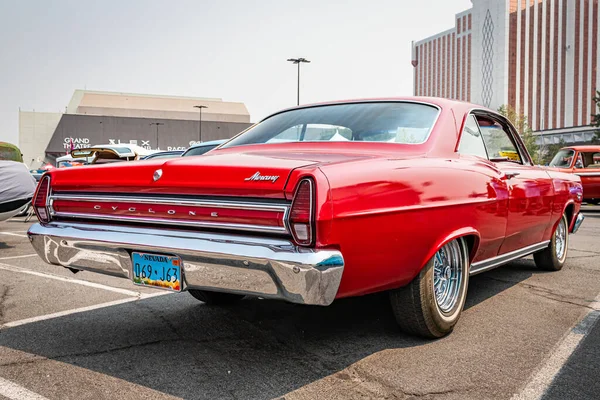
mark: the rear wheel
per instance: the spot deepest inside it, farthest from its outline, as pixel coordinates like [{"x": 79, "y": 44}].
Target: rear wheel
[
  {"x": 215, "y": 298},
  {"x": 431, "y": 304},
  {"x": 553, "y": 257}
]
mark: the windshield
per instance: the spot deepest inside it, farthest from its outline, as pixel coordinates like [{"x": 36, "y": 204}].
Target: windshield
[
  {"x": 563, "y": 159},
  {"x": 393, "y": 122}
]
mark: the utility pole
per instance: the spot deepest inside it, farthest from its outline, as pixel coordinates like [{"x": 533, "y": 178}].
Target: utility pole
[
  {"x": 200, "y": 122},
  {"x": 157, "y": 125},
  {"x": 298, "y": 61}
]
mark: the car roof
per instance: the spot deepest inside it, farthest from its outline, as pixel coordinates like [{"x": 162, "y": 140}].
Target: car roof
[
  {"x": 584, "y": 148},
  {"x": 440, "y": 102}
]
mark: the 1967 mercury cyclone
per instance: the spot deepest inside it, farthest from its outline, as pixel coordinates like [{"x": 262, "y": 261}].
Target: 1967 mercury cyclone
[{"x": 320, "y": 202}]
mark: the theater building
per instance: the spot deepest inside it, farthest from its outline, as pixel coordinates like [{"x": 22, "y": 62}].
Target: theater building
[{"x": 151, "y": 121}]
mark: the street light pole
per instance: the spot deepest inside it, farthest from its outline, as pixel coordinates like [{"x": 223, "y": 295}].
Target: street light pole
[
  {"x": 200, "y": 122},
  {"x": 157, "y": 125},
  {"x": 298, "y": 61}
]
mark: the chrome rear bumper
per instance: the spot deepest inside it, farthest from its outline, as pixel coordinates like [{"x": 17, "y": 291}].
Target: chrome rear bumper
[{"x": 270, "y": 268}]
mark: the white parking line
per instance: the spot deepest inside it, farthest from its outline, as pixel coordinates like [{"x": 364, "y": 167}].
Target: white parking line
[
  {"x": 13, "y": 391},
  {"x": 13, "y": 234},
  {"x": 79, "y": 310},
  {"x": 70, "y": 280},
  {"x": 542, "y": 379},
  {"x": 13, "y": 257}
]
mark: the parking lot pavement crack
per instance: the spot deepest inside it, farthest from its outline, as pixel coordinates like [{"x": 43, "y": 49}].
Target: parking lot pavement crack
[
  {"x": 361, "y": 376},
  {"x": 111, "y": 350},
  {"x": 548, "y": 293},
  {"x": 3, "y": 296},
  {"x": 35, "y": 360},
  {"x": 584, "y": 251}
]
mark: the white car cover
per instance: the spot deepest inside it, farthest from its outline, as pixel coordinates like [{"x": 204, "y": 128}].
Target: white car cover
[{"x": 16, "y": 183}]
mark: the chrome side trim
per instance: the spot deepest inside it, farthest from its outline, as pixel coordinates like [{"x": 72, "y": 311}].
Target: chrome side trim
[
  {"x": 174, "y": 201},
  {"x": 578, "y": 222},
  {"x": 265, "y": 267},
  {"x": 491, "y": 263},
  {"x": 587, "y": 173},
  {"x": 160, "y": 221}
]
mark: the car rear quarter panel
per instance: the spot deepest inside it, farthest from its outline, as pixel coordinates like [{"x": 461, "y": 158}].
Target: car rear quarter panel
[
  {"x": 568, "y": 193},
  {"x": 390, "y": 216}
]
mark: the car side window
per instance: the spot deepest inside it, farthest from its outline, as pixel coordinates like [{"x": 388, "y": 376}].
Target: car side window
[
  {"x": 471, "y": 142},
  {"x": 588, "y": 160},
  {"x": 498, "y": 142}
]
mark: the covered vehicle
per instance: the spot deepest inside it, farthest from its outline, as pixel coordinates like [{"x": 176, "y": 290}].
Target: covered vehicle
[
  {"x": 583, "y": 161},
  {"x": 321, "y": 202},
  {"x": 16, "y": 183}
]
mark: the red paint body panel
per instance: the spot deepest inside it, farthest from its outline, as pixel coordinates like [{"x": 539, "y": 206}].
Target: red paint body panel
[{"x": 388, "y": 207}]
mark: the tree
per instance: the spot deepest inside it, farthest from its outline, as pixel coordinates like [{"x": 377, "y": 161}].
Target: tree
[
  {"x": 520, "y": 122},
  {"x": 596, "y": 117},
  {"x": 550, "y": 151}
]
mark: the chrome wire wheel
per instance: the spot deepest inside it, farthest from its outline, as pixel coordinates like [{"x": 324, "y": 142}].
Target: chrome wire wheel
[
  {"x": 448, "y": 273},
  {"x": 560, "y": 239}
]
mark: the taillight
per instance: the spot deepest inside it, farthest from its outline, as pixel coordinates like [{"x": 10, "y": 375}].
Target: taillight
[
  {"x": 41, "y": 198},
  {"x": 301, "y": 220}
]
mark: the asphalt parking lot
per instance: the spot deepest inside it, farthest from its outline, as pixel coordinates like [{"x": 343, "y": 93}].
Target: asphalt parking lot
[{"x": 523, "y": 334}]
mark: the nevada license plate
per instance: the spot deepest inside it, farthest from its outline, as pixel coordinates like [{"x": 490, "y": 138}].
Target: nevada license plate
[{"x": 157, "y": 270}]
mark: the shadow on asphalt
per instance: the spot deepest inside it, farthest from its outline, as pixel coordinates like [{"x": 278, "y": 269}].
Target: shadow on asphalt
[
  {"x": 256, "y": 349},
  {"x": 4, "y": 246}
]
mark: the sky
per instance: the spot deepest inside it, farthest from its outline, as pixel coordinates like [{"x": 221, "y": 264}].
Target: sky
[{"x": 231, "y": 49}]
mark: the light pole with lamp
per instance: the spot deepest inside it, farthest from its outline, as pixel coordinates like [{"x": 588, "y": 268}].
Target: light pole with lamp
[
  {"x": 200, "y": 122},
  {"x": 298, "y": 61},
  {"x": 157, "y": 125}
]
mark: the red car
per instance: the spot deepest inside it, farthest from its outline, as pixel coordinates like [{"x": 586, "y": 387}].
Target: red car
[
  {"x": 321, "y": 202},
  {"x": 583, "y": 161}
]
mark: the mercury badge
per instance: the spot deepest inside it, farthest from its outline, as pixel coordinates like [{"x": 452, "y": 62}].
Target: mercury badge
[
  {"x": 157, "y": 174},
  {"x": 258, "y": 177}
]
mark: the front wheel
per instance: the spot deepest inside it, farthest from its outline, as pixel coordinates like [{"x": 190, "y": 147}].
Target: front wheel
[
  {"x": 431, "y": 304},
  {"x": 553, "y": 257}
]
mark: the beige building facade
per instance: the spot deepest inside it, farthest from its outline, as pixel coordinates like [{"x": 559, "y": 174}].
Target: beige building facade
[{"x": 94, "y": 117}]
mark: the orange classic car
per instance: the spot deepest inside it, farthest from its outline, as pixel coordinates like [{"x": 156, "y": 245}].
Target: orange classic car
[{"x": 585, "y": 162}]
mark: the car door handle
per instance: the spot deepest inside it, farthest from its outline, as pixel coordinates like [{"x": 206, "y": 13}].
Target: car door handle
[{"x": 510, "y": 175}]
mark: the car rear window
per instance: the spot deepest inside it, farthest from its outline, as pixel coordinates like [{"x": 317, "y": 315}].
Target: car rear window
[{"x": 391, "y": 122}]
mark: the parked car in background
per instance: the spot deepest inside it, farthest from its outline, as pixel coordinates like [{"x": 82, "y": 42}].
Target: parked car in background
[
  {"x": 164, "y": 154},
  {"x": 583, "y": 161},
  {"x": 321, "y": 202},
  {"x": 68, "y": 161},
  {"x": 108, "y": 153},
  {"x": 202, "y": 148},
  {"x": 16, "y": 183}
]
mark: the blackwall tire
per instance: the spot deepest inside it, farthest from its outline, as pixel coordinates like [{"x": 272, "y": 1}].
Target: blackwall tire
[
  {"x": 215, "y": 298},
  {"x": 422, "y": 308},
  {"x": 553, "y": 257}
]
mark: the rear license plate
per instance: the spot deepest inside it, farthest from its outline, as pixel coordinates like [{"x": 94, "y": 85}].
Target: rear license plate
[{"x": 157, "y": 270}]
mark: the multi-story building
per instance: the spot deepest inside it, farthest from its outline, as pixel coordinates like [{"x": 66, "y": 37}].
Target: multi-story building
[{"x": 538, "y": 56}]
